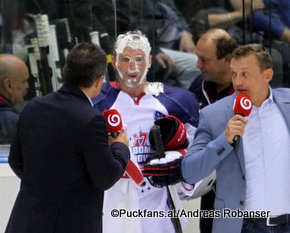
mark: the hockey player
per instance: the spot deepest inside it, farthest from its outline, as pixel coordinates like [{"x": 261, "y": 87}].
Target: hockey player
[{"x": 140, "y": 104}]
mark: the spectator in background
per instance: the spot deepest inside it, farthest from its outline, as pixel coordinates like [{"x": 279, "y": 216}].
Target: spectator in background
[
  {"x": 274, "y": 20},
  {"x": 13, "y": 87},
  {"x": 219, "y": 14},
  {"x": 228, "y": 14},
  {"x": 274, "y": 23},
  {"x": 214, "y": 49}
]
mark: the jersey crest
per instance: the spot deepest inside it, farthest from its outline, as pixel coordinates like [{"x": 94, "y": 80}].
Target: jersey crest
[{"x": 140, "y": 139}]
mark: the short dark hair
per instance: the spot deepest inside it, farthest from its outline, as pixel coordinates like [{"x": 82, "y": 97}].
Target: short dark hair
[
  {"x": 84, "y": 64},
  {"x": 225, "y": 46},
  {"x": 262, "y": 54}
]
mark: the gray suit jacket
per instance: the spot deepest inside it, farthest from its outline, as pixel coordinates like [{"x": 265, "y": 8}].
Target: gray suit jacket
[{"x": 211, "y": 151}]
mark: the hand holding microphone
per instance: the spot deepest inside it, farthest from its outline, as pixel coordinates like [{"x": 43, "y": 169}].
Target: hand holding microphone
[
  {"x": 116, "y": 130},
  {"x": 235, "y": 127}
]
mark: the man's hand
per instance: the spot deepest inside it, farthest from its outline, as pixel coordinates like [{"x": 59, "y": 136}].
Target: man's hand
[
  {"x": 164, "y": 171},
  {"x": 235, "y": 126},
  {"x": 165, "y": 62},
  {"x": 120, "y": 138},
  {"x": 186, "y": 43}
]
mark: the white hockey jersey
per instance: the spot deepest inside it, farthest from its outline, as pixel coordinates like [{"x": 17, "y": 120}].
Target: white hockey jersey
[{"x": 138, "y": 115}]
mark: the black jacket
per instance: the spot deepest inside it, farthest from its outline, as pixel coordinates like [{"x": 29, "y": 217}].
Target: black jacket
[
  {"x": 62, "y": 157},
  {"x": 8, "y": 121}
]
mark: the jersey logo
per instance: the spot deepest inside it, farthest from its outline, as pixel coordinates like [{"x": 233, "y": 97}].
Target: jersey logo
[
  {"x": 158, "y": 115},
  {"x": 140, "y": 139},
  {"x": 140, "y": 148}
]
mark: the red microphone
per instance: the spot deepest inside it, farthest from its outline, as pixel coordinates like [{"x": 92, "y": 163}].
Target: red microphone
[
  {"x": 114, "y": 122},
  {"x": 243, "y": 107},
  {"x": 115, "y": 126}
]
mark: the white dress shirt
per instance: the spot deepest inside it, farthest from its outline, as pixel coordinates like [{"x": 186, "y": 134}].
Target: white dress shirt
[{"x": 266, "y": 143}]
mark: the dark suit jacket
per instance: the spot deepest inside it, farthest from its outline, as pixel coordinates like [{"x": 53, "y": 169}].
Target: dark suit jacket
[
  {"x": 8, "y": 121},
  {"x": 62, "y": 157}
]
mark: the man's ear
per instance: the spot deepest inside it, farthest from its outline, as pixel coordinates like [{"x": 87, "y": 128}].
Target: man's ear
[
  {"x": 268, "y": 74},
  {"x": 7, "y": 85},
  {"x": 99, "y": 82}
]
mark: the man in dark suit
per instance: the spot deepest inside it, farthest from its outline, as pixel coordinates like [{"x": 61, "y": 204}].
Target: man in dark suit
[{"x": 62, "y": 153}]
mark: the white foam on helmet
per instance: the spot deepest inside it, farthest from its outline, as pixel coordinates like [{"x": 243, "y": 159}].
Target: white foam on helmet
[{"x": 134, "y": 41}]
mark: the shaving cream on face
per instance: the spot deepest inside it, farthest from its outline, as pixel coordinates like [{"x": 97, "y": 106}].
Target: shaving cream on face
[{"x": 134, "y": 41}]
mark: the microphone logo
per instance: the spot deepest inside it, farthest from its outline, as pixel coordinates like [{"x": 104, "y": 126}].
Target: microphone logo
[
  {"x": 245, "y": 103},
  {"x": 114, "y": 120},
  {"x": 242, "y": 105}
]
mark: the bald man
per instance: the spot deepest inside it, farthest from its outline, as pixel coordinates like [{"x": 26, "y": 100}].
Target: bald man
[
  {"x": 214, "y": 49},
  {"x": 14, "y": 76}
]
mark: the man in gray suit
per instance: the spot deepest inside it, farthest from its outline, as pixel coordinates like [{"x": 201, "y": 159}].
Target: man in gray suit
[
  {"x": 252, "y": 184},
  {"x": 252, "y": 181}
]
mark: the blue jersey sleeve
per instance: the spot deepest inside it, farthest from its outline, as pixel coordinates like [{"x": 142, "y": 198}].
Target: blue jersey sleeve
[{"x": 180, "y": 103}]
